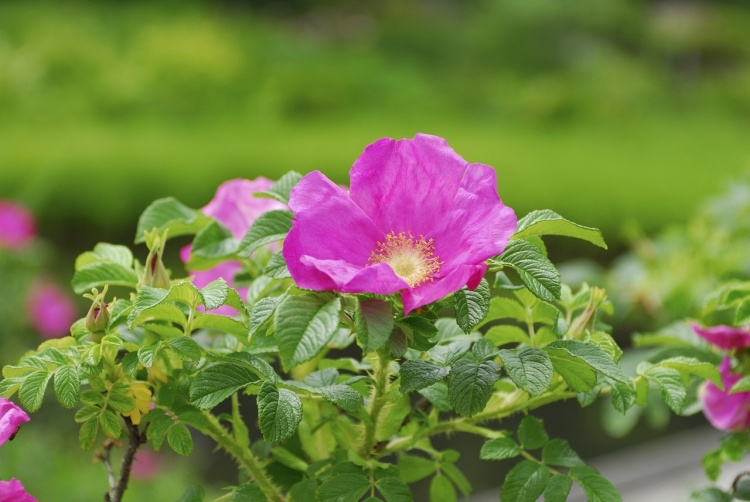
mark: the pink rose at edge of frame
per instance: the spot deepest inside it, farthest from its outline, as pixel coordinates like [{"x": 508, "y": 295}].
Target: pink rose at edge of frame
[
  {"x": 50, "y": 310},
  {"x": 725, "y": 411},
  {"x": 418, "y": 219},
  {"x": 236, "y": 208},
  {"x": 722, "y": 336},
  {"x": 11, "y": 418},
  {"x": 13, "y": 491},
  {"x": 17, "y": 227}
]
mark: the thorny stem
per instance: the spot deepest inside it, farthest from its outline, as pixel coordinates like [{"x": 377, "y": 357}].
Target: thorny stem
[
  {"x": 136, "y": 438},
  {"x": 252, "y": 464},
  {"x": 381, "y": 381}
]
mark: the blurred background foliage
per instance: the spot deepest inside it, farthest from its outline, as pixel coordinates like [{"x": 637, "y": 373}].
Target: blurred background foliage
[{"x": 620, "y": 114}]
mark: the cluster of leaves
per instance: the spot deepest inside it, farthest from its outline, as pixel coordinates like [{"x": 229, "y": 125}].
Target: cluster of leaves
[{"x": 339, "y": 426}]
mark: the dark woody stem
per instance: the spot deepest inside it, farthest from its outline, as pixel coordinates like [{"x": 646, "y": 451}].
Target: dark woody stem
[{"x": 136, "y": 438}]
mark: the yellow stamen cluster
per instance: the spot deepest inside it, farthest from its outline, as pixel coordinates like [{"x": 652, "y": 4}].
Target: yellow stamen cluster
[{"x": 412, "y": 259}]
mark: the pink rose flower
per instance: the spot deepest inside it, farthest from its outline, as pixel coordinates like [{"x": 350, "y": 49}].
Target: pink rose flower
[
  {"x": 418, "y": 219},
  {"x": 17, "y": 227},
  {"x": 11, "y": 418},
  {"x": 13, "y": 491},
  {"x": 724, "y": 337},
  {"x": 725, "y": 411},
  {"x": 50, "y": 310},
  {"x": 146, "y": 465},
  {"x": 235, "y": 207}
]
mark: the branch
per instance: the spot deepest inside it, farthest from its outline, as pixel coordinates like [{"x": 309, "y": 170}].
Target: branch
[{"x": 136, "y": 438}]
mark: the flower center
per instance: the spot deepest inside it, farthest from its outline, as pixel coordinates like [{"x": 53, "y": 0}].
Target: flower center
[{"x": 412, "y": 259}]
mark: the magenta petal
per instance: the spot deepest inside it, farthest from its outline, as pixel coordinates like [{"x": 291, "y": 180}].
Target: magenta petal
[
  {"x": 225, "y": 270},
  {"x": 327, "y": 225},
  {"x": 724, "y": 337},
  {"x": 379, "y": 279},
  {"x": 439, "y": 288},
  {"x": 13, "y": 491},
  {"x": 51, "y": 311},
  {"x": 725, "y": 411},
  {"x": 11, "y": 418},
  {"x": 17, "y": 228},
  {"x": 407, "y": 185},
  {"x": 235, "y": 207}
]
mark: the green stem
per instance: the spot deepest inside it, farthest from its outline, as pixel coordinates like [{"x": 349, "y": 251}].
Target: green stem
[
  {"x": 244, "y": 457},
  {"x": 224, "y": 498},
  {"x": 376, "y": 406}
]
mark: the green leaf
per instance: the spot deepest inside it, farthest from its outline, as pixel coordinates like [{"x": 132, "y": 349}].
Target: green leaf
[
  {"x": 147, "y": 353},
  {"x": 484, "y": 349},
  {"x": 456, "y": 476},
  {"x": 529, "y": 368},
  {"x": 502, "y": 335},
  {"x": 578, "y": 362},
  {"x": 87, "y": 432},
  {"x": 691, "y": 366},
  {"x": 215, "y": 383},
  {"x": 412, "y": 468},
  {"x": 119, "y": 399},
  {"x": 186, "y": 348},
  {"x": 394, "y": 490},
  {"x": 531, "y": 433},
  {"x": 546, "y": 222},
  {"x": 87, "y": 413},
  {"x": 263, "y": 311},
  {"x": 96, "y": 275},
  {"x": 279, "y": 412},
  {"x": 324, "y": 383},
  {"x": 347, "y": 487},
  {"x": 623, "y": 396},
  {"x": 281, "y": 189},
  {"x": 596, "y": 487},
  {"x": 505, "y": 308},
  {"x": 470, "y": 385},
  {"x": 741, "y": 486},
  {"x": 103, "y": 252},
  {"x": 213, "y": 244},
  {"x": 559, "y": 453},
  {"x": 500, "y": 449},
  {"x": 437, "y": 394},
  {"x": 110, "y": 423},
  {"x": 441, "y": 490},
  {"x": 67, "y": 384},
  {"x": 214, "y": 294},
  {"x": 535, "y": 270},
  {"x": 304, "y": 326},
  {"x": 172, "y": 214},
  {"x": 158, "y": 426},
  {"x": 249, "y": 492},
  {"x": 268, "y": 227},
  {"x": 417, "y": 374},
  {"x": 673, "y": 389},
  {"x": 31, "y": 392},
  {"x": 303, "y": 491},
  {"x": 374, "y": 322},
  {"x": 558, "y": 488},
  {"x": 711, "y": 494},
  {"x": 472, "y": 306},
  {"x": 525, "y": 482},
  {"x": 194, "y": 493},
  {"x": 220, "y": 323},
  {"x": 179, "y": 439},
  {"x": 276, "y": 267}
]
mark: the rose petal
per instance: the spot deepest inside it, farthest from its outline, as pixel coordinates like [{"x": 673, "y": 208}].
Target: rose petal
[
  {"x": 724, "y": 337},
  {"x": 726, "y": 411}
]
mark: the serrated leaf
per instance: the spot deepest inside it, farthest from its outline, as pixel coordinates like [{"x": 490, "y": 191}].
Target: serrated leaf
[
  {"x": 673, "y": 389},
  {"x": 172, "y": 214},
  {"x": 220, "y": 323},
  {"x": 505, "y": 308},
  {"x": 87, "y": 413},
  {"x": 531, "y": 433},
  {"x": 546, "y": 222},
  {"x": 186, "y": 348},
  {"x": 281, "y": 189},
  {"x": 458, "y": 478},
  {"x": 214, "y": 294},
  {"x": 623, "y": 396},
  {"x": 262, "y": 312},
  {"x": 87, "y": 433},
  {"x": 525, "y": 482},
  {"x": 348, "y": 487},
  {"x": 279, "y": 412},
  {"x": 147, "y": 353},
  {"x": 442, "y": 490},
  {"x": 215, "y": 383},
  {"x": 412, "y": 468},
  {"x": 393, "y": 490},
  {"x": 529, "y": 368},
  {"x": 470, "y": 385},
  {"x": 691, "y": 366},
  {"x": 97, "y": 275},
  {"x": 374, "y": 322},
  {"x": 500, "y": 449},
  {"x": 472, "y": 306},
  {"x": 418, "y": 374},
  {"x": 595, "y": 486},
  {"x": 248, "y": 492},
  {"x": 324, "y": 383},
  {"x": 67, "y": 385},
  {"x": 268, "y": 227},
  {"x": 437, "y": 394},
  {"x": 558, "y": 488},
  {"x": 194, "y": 493},
  {"x": 110, "y": 424},
  {"x": 31, "y": 392},
  {"x": 276, "y": 267},
  {"x": 213, "y": 244},
  {"x": 304, "y": 325},
  {"x": 578, "y": 362},
  {"x": 502, "y": 335},
  {"x": 558, "y": 452},
  {"x": 119, "y": 398},
  {"x": 537, "y": 273},
  {"x": 180, "y": 440},
  {"x": 159, "y": 423}
]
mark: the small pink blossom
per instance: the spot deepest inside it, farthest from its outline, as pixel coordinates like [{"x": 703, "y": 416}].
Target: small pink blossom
[
  {"x": 146, "y": 465},
  {"x": 726, "y": 411},
  {"x": 13, "y": 491},
  {"x": 418, "y": 219},
  {"x": 17, "y": 228},
  {"x": 51, "y": 311},
  {"x": 724, "y": 337},
  {"x": 235, "y": 207},
  {"x": 11, "y": 418}
]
